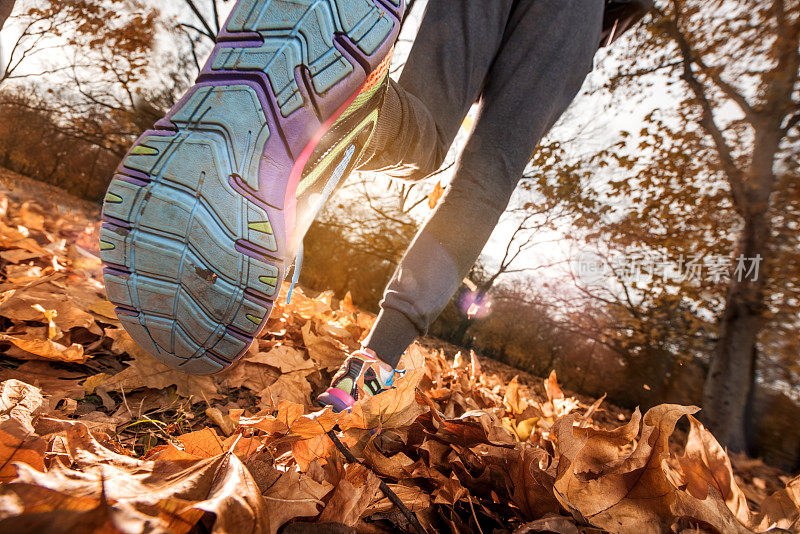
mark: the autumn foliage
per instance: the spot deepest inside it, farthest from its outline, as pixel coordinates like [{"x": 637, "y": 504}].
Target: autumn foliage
[{"x": 96, "y": 436}]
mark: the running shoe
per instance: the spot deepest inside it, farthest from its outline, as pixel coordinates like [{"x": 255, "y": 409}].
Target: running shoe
[
  {"x": 208, "y": 209},
  {"x": 344, "y": 390}
]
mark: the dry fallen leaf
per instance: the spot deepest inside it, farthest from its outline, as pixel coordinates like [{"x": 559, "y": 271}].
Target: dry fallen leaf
[
  {"x": 513, "y": 401},
  {"x": 633, "y": 492},
  {"x": 18, "y": 440},
  {"x": 145, "y": 495},
  {"x": 32, "y": 347},
  {"x": 147, "y": 372},
  {"x": 351, "y": 497},
  {"x": 435, "y": 195},
  {"x": 291, "y": 386},
  {"x": 322, "y": 350},
  {"x": 115, "y": 441},
  {"x": 293, "y": 495},
  {"x": 782, "y": 509},
  {"x": 705, "y": 465}
]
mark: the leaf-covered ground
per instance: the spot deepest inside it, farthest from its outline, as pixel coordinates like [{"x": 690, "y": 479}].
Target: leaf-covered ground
[{"x": 96, "y": 436}]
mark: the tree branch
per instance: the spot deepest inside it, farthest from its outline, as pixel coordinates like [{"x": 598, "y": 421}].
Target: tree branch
[
  {"x": 708, "y": 122},
  {"x": 209, "y": 32},
  {"x": 391, "y": 495}
]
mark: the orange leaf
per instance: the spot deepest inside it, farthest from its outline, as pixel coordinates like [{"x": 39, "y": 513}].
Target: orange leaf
[{"x": 436, "y": 195}]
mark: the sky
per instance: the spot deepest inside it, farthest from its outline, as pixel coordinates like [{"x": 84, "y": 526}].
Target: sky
[{"x": 587, "y": 113}]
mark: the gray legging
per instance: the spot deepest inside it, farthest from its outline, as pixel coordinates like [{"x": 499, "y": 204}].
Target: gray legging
[{"x": 524, "y": 60}]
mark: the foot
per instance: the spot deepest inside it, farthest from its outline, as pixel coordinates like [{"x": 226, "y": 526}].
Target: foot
[
  {"x": 345, "y": 389},
  {"x": 208, "y": 209}
]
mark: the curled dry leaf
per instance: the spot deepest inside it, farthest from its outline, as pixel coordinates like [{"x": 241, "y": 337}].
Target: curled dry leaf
[
  {"x": 249, "y": 374},
  {"x": 450, "y": 491},
  {"x": 18, "y": 440},
  {"x": 435, "y": 195},
  {"x": 415, "y": 499},
  {"x": 530, "y": 486},
  {"x": 146, "y": 495},
  {"x": 32, "y": 347},
  {"x": 293, "y": 495},
  {"x": 222, "y": 421},
  {"x": 474, "y": 366},
  {"x": 633, "y": 492},
  {"x": 781, "y": 509},
  {"x": 705, "y": 465},
  {"x": 512, "y": 399},
  {"x": 552, "y": 524},
  {"x": 147, "y": 372},
  {"x": 352, "y": 496},
  {"x": 323, "y": 350},
  {"x": 396, "y": 466},
  {"x": 292, "y": 387},
  {"x": 346, "y": 304},
  {"x": 552, "y": 388}
]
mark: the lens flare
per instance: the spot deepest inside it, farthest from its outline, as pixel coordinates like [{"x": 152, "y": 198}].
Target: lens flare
[{"x": 474, "y": 305}]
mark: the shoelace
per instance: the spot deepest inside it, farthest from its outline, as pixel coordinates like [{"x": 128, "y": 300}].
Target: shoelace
[
  {"x": 298, "y": 266},
  {"x": 327, "y": 191},
  {"x": 390, "y": 382}
]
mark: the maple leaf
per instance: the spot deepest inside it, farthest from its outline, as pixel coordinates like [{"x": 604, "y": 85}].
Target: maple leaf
[
  {"x": 294, "y": 495},
  {"x": 146, "y": 371},
  {"x": 630, "y": 491}
]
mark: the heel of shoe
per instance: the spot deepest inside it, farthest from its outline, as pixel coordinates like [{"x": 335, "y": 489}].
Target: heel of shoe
[{"x": 338, "y": 400}]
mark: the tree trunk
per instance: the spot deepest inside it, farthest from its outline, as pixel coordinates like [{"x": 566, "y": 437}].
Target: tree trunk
[
  {"x": 460, "y": 335},
  {"x": 731, "y": 373}
]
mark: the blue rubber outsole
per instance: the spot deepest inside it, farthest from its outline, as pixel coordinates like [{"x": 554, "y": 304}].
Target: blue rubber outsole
[{"x": 195, "y": 238}]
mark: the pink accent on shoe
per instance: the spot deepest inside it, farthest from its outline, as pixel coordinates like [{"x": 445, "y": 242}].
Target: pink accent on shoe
[
  {"x": 368, "y": 352},
  {"x": 342, "y": 395}
]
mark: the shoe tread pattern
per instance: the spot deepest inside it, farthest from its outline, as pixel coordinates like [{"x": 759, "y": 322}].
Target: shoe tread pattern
[
  {"x": 300, "y": 32},
  {"x": 173, "y": 221}
]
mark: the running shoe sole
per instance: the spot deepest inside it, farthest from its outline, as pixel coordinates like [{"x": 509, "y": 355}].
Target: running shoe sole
[{"x": 199, "y": 222}]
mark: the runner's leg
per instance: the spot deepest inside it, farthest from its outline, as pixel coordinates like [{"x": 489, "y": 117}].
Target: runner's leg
[
  {"x": 546, "y": 51},
  {"x": 443, "y": 76}
]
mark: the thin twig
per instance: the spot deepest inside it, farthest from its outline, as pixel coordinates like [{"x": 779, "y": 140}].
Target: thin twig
[
  {"x": 208, "y": 31},
  {"x": 125, "y": 402},
  {"x": 474, "y": 516},
  {"x": 391, "y": 495}
]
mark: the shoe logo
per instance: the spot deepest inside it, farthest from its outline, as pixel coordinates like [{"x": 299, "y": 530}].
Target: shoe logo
[
  {"x": 349, "y": 143},
  {"x": 334, "y": 179},
  {"x": 339, "y": 170}
]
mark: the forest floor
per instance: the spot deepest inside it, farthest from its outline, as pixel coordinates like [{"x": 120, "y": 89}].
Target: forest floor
[{"x": 97, "y": 436}]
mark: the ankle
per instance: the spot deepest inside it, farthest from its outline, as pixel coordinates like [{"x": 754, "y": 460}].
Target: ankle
[
  {"x": 374, "y": 355},
  {"x": 385, "y": 370}
]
